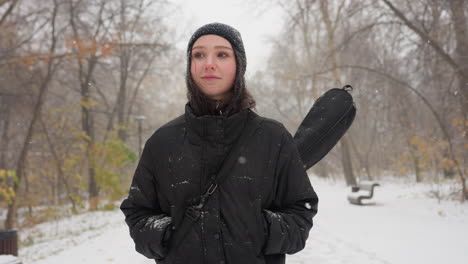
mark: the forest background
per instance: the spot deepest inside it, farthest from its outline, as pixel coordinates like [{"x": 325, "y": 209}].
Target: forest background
[{"x": 83, "y": 83}]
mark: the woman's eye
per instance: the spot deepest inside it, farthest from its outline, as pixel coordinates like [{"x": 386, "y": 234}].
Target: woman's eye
[
  {"x": 197, "y": 55},
  {"x": 223, "y": 55}
]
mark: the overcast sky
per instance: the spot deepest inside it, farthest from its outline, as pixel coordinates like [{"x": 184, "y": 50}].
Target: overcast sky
[{"x": 254, "y": 23}]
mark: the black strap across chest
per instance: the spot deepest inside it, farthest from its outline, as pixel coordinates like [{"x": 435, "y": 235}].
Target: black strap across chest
[{"x": 193, "y": 212}]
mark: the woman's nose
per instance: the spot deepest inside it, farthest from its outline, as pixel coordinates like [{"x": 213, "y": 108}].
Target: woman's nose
[{"x": 209, "y": 63}]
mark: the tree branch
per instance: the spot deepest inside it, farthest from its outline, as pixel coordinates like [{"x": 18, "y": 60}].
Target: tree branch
[
  {"x": 426, "y": 102},
  {"x": 8, "y": 12},
  {"x": 428, "y": 39}
]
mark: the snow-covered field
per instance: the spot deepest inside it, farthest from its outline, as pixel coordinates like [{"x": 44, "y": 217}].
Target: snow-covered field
[{"x": 403, "y": 226}]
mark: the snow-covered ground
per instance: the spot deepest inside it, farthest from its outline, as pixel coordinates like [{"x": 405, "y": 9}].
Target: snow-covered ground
[{"x": 403, "y": 226}]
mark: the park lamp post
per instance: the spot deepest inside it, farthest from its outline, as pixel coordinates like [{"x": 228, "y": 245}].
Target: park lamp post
[{"x": 140, "y": 119}]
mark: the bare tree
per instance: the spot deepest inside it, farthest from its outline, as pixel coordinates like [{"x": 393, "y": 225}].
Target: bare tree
[
  {"x": 403, "y": 91},
  {"x": 330, "y": 29},
  {"x": 89, "y": 40},
  {"x": 133, "y": 54},
  {"x": 51, "y": 66},
  {"x": 459, "y": 65}
]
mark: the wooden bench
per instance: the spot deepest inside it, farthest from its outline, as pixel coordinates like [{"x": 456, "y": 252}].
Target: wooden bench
[{"x": 361, "y": 191}]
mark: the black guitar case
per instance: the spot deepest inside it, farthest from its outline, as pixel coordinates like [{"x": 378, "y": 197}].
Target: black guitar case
[{"x": 325, "y": 124}]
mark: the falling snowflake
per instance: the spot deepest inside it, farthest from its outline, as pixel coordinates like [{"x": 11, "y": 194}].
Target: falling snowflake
[{"x": 242, "y": 160}]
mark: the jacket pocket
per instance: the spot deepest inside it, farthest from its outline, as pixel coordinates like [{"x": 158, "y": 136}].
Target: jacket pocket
[
  {"x": 260, "y": 234},
  {"x": 168, "y": 240},
  {"x": 189, "y": 248}
]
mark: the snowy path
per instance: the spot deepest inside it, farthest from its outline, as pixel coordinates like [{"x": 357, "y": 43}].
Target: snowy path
[
  {"x": 403, "y": 227},
  {"x": 113, "y": 246}
]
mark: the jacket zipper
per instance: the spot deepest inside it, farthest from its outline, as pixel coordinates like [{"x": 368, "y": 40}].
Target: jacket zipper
[{"x": 218, "y": 104}]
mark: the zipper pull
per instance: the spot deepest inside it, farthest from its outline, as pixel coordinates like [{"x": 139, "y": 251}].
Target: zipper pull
[{"x": 218, "y": 104}]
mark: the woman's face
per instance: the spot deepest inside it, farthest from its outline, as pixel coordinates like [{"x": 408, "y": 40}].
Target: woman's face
[{"x": 213, "y": 66}]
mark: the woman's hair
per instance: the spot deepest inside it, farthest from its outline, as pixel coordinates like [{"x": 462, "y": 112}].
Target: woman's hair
[{"x": 240, "y": 97}]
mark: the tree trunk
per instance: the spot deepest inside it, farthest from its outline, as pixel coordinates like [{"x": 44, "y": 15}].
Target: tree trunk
[
  {"x": 27, "y": 193},
  {"x": 321, "y": 169},
  {"x": 87, "y": 120},
  {"x": 122, "y": 96},
  {"x": 5, "y": 114},
  {"x": 458, "y": 8},
  {"x": 346, "y": 161},
  {"x": 345, "y": 153},
  {"x": 124, "y": 68},
  {"x": 369, "y": 150},
  {"x": 408, "y": 133},
  {"x": 20, "y": 167},
  {"x": 364, "y": 162},
  {"x": 8, "y": 11},
  {"x": 87, "y": 126},
  {"x": 60, "y": 174},
  {"x": 415, "y": 159}
]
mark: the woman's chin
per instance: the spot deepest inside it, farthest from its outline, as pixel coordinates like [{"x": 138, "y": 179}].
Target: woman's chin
[{"x": 219, "y": 97}]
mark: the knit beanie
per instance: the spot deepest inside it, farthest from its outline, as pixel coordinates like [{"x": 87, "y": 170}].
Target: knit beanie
[
  {"x": 241, "y": 98},
  {"x": 227, "y": 32}
]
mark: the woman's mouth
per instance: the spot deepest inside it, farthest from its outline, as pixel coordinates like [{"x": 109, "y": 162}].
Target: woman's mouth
[{"x": 210, "y": 78}]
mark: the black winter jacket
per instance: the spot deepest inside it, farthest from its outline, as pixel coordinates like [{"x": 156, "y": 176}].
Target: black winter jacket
[{"x": 260, "y": 212}]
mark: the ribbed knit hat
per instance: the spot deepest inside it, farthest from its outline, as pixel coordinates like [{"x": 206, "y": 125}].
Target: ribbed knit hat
[{"x": 227, "y": 32}]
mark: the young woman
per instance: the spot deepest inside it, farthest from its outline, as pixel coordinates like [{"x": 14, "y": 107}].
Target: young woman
[{"x": 264, "y": 204}]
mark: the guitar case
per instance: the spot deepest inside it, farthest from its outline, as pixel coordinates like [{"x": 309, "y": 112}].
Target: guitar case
[{"x": 325, "y": 124}]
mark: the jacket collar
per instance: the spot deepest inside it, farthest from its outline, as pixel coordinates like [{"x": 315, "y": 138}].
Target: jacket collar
[{"x": 215, "y": 129}]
